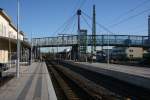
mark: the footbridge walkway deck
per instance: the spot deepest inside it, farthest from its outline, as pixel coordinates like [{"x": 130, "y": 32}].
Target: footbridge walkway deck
[{"x": 101, "y": 40}]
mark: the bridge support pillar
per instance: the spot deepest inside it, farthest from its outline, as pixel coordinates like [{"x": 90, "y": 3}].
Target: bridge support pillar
[
  {"x": 74, "y": 53},
  {"x": 30, "y": 56},
  {"x": 35, "y": 52}
]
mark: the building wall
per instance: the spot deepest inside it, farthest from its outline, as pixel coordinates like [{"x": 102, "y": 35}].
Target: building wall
[
  {"x": 9, "y": 31},
  {"x": 4, "y": 27},
  {"x": 12, "y": 33},
  {"x": 127, "y": 52},
  {"x": 3, "y": 52},
  {"x": 134, "y": 52}
]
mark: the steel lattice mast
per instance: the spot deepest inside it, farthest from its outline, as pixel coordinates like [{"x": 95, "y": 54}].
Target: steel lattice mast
[
  {"x": 93, "y": 31},
  {"x": 94, "y": 27}
]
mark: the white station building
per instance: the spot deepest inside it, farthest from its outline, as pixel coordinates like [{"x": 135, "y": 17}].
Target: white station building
[{"x": 8, "y": 39}]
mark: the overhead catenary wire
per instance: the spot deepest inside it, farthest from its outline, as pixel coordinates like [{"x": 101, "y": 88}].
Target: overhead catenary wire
[
  {"x": 68, "y": 25},
  {"x": 86, "y": 22},
  {"x": 135, "y": 29},
  {"x": 132, "y": 9},
  {"x": 63, "y": 25},
  {"x": 100, "y": 25},
  {"x": 75, "y": 8},
  {"x": 79, "y": 5},
  {"x": 82, "y": 3},
  {"x": 129, "y": 18},
  {"x": 74, "y": 24}
]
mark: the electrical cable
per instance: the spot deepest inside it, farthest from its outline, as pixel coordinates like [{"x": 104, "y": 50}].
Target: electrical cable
[
  {"x": 100, "y": 25},
  {"x": 73, "y": 27},
  {"x": 132, "y": 9},
  {"x": 68, "y": 25},
  {"x": 80, "y": 5},
  {"x": 86, "y": 22},
  {"x": 59, "y": 28},
  {"x": 129, "y": 18}
]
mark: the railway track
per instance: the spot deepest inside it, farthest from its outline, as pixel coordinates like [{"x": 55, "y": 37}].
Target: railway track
[
  {"x": 65, "y": 88},
  {"x": 119, "y": 87},
  {"x": 76, "y": 87}
]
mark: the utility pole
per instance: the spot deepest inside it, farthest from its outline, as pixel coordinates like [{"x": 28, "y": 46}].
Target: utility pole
[
  {"x": 31, "y": 59},
  {"x": 18, "y": 40},
  {"x": 149, "y": 27}
]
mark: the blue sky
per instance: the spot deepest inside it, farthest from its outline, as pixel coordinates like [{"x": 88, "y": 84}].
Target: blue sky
[{"x": 43, "y": 17}]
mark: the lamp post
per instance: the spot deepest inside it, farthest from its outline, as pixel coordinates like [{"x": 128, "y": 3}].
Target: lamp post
[
  {"x": 31, "y": 50},
  {"x": 18, "y": 41},
  {"x": 57, "y": 50}
]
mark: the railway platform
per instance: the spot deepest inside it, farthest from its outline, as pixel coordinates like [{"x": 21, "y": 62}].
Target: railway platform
[
  {"x": 139, "y": 76},
  {"x": 34, "y": 83}
]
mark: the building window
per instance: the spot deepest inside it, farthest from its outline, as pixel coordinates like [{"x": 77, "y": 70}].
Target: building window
[
  {"x": 131, "y": 50},
  {"x": 131, "y": 56},
  {"x": 1, "y": 27},
  {"x": 4, "y": 30}
]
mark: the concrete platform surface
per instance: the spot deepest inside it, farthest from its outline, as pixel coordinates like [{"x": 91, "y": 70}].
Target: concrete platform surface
[
  {"x": 12, "y": 70},
  {"x": 139, "y": 76},
  {"x": 34, "y": 84},
  {"x": 139, "y": 71}
]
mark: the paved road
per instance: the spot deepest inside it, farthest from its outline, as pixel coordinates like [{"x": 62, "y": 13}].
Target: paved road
[{"x": 34, "y": 84}]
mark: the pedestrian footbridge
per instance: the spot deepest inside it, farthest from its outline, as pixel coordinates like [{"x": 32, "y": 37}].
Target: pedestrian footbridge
[{"x": 101, "y": 40}]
